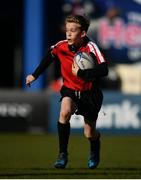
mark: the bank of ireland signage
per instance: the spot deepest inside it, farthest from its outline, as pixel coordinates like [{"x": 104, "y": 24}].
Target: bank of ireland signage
[{"x": 119, "y": 113}]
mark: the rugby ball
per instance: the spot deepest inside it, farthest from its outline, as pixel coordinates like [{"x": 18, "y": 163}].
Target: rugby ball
[{"x": 84, "y": 60}]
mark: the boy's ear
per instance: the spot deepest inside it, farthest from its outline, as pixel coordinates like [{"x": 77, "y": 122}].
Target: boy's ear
[{"x": 83, "y": 34}]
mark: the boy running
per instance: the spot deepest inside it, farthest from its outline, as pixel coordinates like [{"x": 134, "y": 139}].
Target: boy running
[{"x": 80, "y": 92}]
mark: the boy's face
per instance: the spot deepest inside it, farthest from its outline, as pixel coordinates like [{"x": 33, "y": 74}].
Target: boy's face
[{"x": 74, "y": 34}]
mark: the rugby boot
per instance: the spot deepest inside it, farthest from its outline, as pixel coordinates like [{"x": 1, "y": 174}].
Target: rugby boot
[{"x": 61, "y": 161}]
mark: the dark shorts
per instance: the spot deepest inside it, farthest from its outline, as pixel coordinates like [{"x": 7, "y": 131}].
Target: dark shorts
[{"x": 88, "y": 102}]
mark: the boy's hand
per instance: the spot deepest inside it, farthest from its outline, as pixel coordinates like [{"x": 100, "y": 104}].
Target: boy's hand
[
  {"x": 29, "y": 79},
  {"x": 75, "y": 68}
]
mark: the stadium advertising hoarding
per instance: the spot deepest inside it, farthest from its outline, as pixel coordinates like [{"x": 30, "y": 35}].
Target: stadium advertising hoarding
[
  {"x": 120, "y": 36},
  {"x": 39, "y": 112},
  {"x": 120, "y": 113},
  {"x": 23, "y": 112}
]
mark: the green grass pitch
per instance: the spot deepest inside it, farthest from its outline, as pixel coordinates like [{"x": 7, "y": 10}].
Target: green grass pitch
[{"x": 31, "y": 156}]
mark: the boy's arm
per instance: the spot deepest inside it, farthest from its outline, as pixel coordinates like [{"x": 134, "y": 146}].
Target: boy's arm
[
  {"x": 45, "y": 62},
  {"x": 100, "y": 70}
]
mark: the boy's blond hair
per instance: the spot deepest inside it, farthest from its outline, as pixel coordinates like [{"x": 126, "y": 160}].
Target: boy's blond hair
[{"x": 82, "y": 20}]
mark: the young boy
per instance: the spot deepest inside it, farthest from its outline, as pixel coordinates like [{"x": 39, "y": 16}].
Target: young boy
[{"x": 80, "y": 91}]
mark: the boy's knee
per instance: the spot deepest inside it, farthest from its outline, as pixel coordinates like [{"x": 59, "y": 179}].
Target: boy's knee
[
  {"x": 64, "y": 116},
  {"x": 90, "y": 131},
  {"x": 87, "y": 134}
]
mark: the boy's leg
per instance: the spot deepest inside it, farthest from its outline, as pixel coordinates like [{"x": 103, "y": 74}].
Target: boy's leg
[
  {"x": 94, "y": 102},
  {"x": 67, "y": 107},
  {"x": 94, "y": 139},
  {"x": 94, "y": 158},
  {"x": 63, "y": 133}
]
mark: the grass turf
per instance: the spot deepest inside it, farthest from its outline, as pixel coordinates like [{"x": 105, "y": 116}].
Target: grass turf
[{"x": 26, "y": 156}]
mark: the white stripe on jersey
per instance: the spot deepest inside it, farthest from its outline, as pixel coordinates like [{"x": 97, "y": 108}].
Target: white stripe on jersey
[
  {"x": 60, "y": 42},
  {"x": 93, "y": 48}
]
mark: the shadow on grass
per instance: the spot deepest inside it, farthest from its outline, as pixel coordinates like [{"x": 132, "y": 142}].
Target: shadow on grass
[{"x": 115, "y": 172}]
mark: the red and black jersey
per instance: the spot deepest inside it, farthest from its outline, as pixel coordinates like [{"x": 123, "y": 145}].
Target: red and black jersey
[{"x": 65, "y": 53}]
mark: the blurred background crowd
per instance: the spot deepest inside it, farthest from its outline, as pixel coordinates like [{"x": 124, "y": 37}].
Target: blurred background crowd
[{"x": 115, "y": 27}]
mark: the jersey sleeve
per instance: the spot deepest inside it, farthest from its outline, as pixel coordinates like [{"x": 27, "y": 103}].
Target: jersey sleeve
[
  {"x": 100, "y": 65},
  {"x": 45, "y": 62},
  {"x": 54, "y": 50},
  {"x": 94, "y": 50},
  {"x": 97, "y": 72},
  {"x": 51, "y": 54}
]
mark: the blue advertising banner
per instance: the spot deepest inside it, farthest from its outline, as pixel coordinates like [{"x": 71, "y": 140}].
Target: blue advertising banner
[
  {"x": 120, "y": 114},
  {"x": 118, "y": 30}
]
